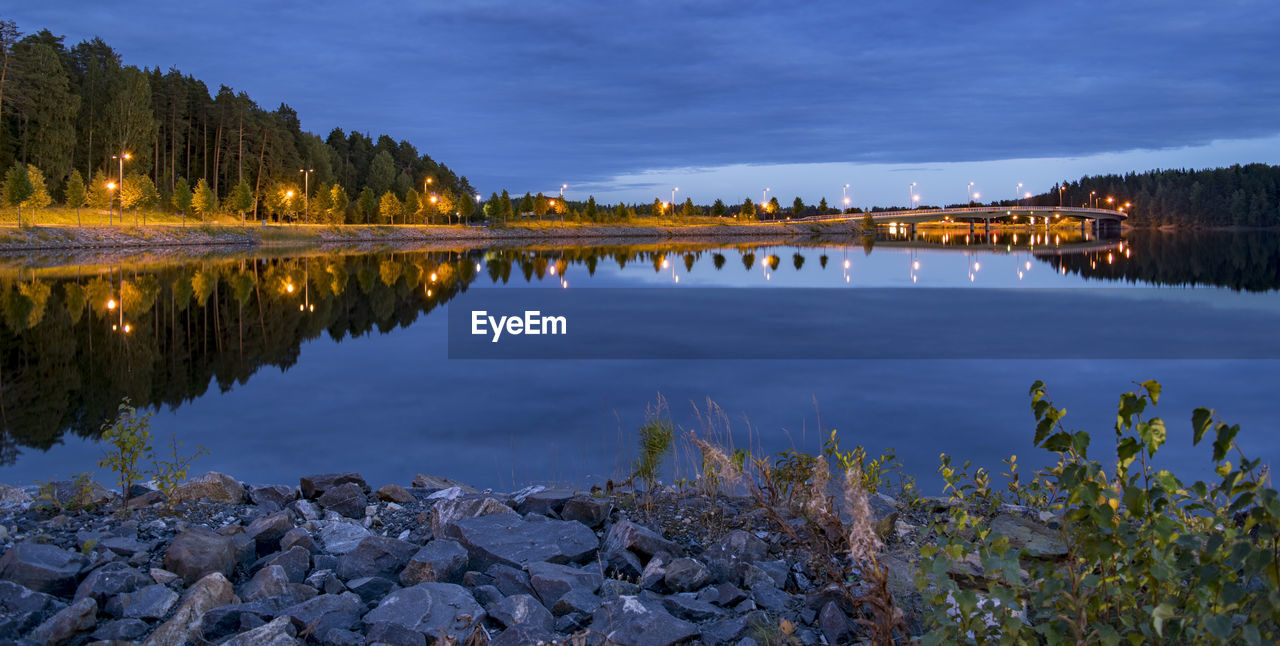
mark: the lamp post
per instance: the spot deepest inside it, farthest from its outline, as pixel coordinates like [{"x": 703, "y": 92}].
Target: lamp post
[
  {"x": 121, "y": 157},
  {"x": 969, "y": 194},
  {"x": 673, "y": 201},
  {"x": 1017, "y": 195},
  {"x": 844, "y": 194},
  {"x": 764, "y": 203},
  {"x": 911, "y": 194},
  {"x": 306, "y": 194},
  {"x": 111, "y": 202}
]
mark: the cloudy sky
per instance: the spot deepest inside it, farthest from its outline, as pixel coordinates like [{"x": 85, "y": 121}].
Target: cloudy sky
[{"x": 724, "y": 99}]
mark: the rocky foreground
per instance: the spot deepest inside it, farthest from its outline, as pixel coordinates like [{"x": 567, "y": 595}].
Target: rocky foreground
[{"x": 332, "y": 562}]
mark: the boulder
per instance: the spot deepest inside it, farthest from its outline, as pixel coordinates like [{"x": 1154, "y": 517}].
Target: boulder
[
  {"x": 209, "y": 592},
  {"x": 544, "y": 502},
  {"x": 551, "y": 581},
  {"x": 728, "y": 557},
  {"x": 394, "y": 635},
  {"x": 278, "y": 495},
  {"x": 689, "y": 608},
  {"x": 632, "y": 621},
  {"x": 326, "y": 613},
  {"x": 375, "y": 556},
  {"x": 439, "y": 610},
  {"x": 339, "y": 537},
  {"x": 299, "y": 537},
  {"x": 152, "y": 602},
  {"x": 447, "y": 512},
  {"x": 295, "y": 561},
  {"x": 64, "y": 625},
  {"x": 835, "y": 625},
  {"x": 522, "y": 610},
  {"x": 314, "y": 486},
  {"x": 509, "y": 580},
  {"x": 212, "y": 486},
  {"x": 686, "y": 575},
  {"x": 199, "y": 551},
  {"x": 628, "y": 547},
  {"x": 394, "y": 493},
  {"x": 162, "y": 576},
  {"x": 22, "y": 609},
  {"x": 42, "y": 568},
  {"x": 267, "y": 531},
  {"x": 578, "y": 602},
  {"x": 347, "y": 499},
  {"x": 11, "y": 495},
  {"x": 440, "y": 560},
  {"x": 121, "y": 630},
  {"x": 592, "y": 512},
  {"x": 436, "y": 483},
  {"x": 727, "y": 631},
  {"x": 270, "y": 581},
  {"x": 1029, "y": 537},
  {"x": 277, "y": 632},
  {"x": 507, "y": 538},
  {"x": 109, "y": 580}
]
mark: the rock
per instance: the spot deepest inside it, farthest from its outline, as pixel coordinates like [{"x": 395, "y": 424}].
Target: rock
[
  {"x": 576, "y": 601},
  {"x": 347, "y": 499},
  {"x": 10, "y": 495},
  {"x": 375, "y": 556},
  {"x": 686, "y": 575},
  {"x": 66, "y": 623},
  {"x": 278, "y": 495},
  {"x": 1029, "y": 537},
  {"x": 125, "y": 545},
  {"x": 326, "y": 613},
  {"x": 509, "y": 580},
  {"x": 756, "y": 573},
  {"x": 394, "y": 493},
  {"x": 109, "y": 580},
  {"x": 438, "y": 610},
  {"x": 267, "y": 531},
  {"x": 394, "y": 635},
  {"x": 437, "y": 483},
  {"x": 835, "y": 626},
  {"x": 152, "y": 602},
  {"x": 615, "y": 588},
  {"x": 441, "y": 561},
  {"x": 522, "y": 610},
  {"x": 199, "y": 551},
  {"x": 230, "y": 619},
  {"x": 162, "y": 576},
  {"x": 305, "y": 510},
  {"x": 766, "y": 596},
  {"x": 551, "y": 581},
  {"x": 42, "y": 568},
  {"x": 545, "y": 502},
  {"x": 507, "y": 538},
  {"x": 299, "y": 537},
  {"x": 270, "y": 581},
  {"x": 295, "y": 561},
  {"x": 22, "y": 609},
  {"x": 632, "y": 621},
  {"x": 728, "y": 557},
  {"x": 277, "y": 632},
  {"x": 121, "y": 630},
  {"x": 592, "y": 512},
  {"x": 212, "y": 486},
  {"x": 209, "y": 592},
  {"x": 67, "y": 494},
  {"x": 371, "y": 588},
  {"x": 728, "y": 595},
  {"x": 726, "y": 631},
  {"x": 637, "y": 539},
  {"x": 315, "y": 486},
  {"x": 689, "y": 608},
  {"x": 654, "y": 572},
  {"x": 447, "y": 512},
  {"x": 339, "y": 537}
]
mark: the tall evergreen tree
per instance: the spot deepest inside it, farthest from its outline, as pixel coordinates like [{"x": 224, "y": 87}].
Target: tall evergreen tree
[
  {"x": 39, "y": 197},
  {"x": 77, "y": 196},
  {"x": 203, "y": 201},
  {"x": 718, "y": 210},
  {"x": 17, "y": 187}
]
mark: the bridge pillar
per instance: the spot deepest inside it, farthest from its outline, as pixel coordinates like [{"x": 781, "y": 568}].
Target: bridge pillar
[
  {"x": 986, "y": 226},
  {"x": 912, "y": 229},
  {"x": 970, "y": 227},
  {"x": 1083, "y": 223}
]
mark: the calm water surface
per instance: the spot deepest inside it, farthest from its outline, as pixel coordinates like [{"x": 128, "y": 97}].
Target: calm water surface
[{"x": 288, "y": 366}]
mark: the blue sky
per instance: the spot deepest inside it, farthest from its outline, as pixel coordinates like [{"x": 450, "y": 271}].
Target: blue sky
[{"x": 724, "y": 99}]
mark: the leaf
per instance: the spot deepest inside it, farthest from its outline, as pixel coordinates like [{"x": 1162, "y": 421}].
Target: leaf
[
  {"x": 1153, "y": 433},
  {"x": 1200, "y": 421},
  {"x": 1153, "y": 387},
  {"x": 1058, "y": 442},
  {"x": 1226, "y": 434},
  {"x": 1159, "y": 615}
]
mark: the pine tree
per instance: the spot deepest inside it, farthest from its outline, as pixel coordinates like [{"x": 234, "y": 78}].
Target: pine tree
[
  {"x": 17, "y": 188},
  {"x": 182, "y": 196},
  {"x": 748, "y": 210},
  {"x": 718, "y": 210},
  {"x": 465, "y": 208},
  {"x": 409, "y": 209},
  {"x": 241, "y": 199},
  {"x": 203, "y": 201},
  {"x": 822, "y": 206},
  {"x": 367, "y": 205},
  {"x": 591, "y": 213},
  {"x": 382, "y": 174},
  {"x": 540, "y": 205},
  {"x": 797, "y": 207},
  {"x": 39, "y": 197},
  {"x": 77, "y": 196},
  {"x": 526, "y": 204},
  {"x": 507, "y": 212},
  {"x": 657, "y": 209},
  {"x": 774, "y": 206},
  {"x": 99, "y": 195},
  {"x": 689, "y": 210}
]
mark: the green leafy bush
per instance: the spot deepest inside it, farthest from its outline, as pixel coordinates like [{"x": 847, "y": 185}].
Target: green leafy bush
[
  {"x": 1149, "y": 559},
  {"x": 129, "y": 439}
]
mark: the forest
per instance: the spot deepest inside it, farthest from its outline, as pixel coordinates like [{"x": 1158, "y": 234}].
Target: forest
[{"x": 69, "y": 113}]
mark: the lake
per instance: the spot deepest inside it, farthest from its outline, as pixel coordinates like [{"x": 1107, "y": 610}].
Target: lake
[{"x": 284, "y": 364}]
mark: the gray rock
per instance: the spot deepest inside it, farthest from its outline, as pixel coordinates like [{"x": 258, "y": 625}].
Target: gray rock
[
  {"x": 267, "y": 531},
  {"x": 278, "y": 495},
  {"x": 728, "y": 595},
  {"x": 277, "y": 632},
  {"x": 725, "y": 631},
  {"x": 315, "y": 486},
  {"x": 486, "y": 595},
  {"x": 199, "y": 551},
  {"x": 394, "y": 493},
  {"x": 507, "y": 538},
  {"x": 615, "y": 588},
  {"x": 447, "y": 512},
  {"x": 686, "y": 575},
  {"x": 210, "y": 592},
  {"x": 270, "y": 581},
  {"x": 884, "y": 514},
  {"x": 637, "y": 539},
  {"x": 551, "y": 581},
  {"x": 434, "y": 609},
  {"x": 22, "y": 609},
  {"x": 326, "y": 582},
  {"x": 375, "y": 556},
  {"x": 66, "y": 493},
  {"x": 295, "y": 561},
  {"x": 305, "y": 509},
  {"x": 577, "y": 600},
  {"x": 545, "y": 502},
  {"x": 1031, "y": 538},
  {"x": 654, "y": 572},
  {"x": 10, "y": 495},
  {"x": 42, "y": 568},
  {"x": 633, "y": 621},
  {"x": 300, "y": 537},
  {"x": 326, "y": 613},
  {"x": 394, "y": 635},
  {"x": 592, "y": 512},
  {"x": 123, "y": 630},
  {"x": 233, "y": 618},
  {"x": 212, "y": 486},
  {"x": 684, "y": 606},
  {"x": 65, "y": 624},
  {"x": 339, "y": 537},
  {"x": 162, "y": 576},
  {"x": 371, "y": 588},
  {"x": 522, "y": 610},
  {"x": 346, "y": 499},
  {"x": 125, "y": 545},
  {"x": 509, "y": 580},
  {"x": 436, "y": 483},
  {"x": 728, "y": 557},
  {"x": 835, "y": 626},
  {"x": 768, "y": 597},
  {"x": 152, "y": 602},
  {"x": 109, "y": 580},
  {"x": 441, "y": 560}
]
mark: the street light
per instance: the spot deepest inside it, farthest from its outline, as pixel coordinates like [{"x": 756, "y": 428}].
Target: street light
[
  {"x": 306, "y": 194},
  {"x": 673, "y": 201},
  {"x": 1091, "y": 201},
  {"x": 1061, "y": 188},
  {"x": 111, "y": 187},
  {"x": 969, "y": 192},
  {"x": 121, "y": 157},
  {"x": 1017, "y": 194},
  {"x": 911, "y": 194},
  {"x": 844, "y": 194}
]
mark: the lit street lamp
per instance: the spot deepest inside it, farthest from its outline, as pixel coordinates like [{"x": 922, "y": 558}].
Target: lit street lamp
[
  {"x": 111, "y": 188},
  {"x": 911, "y": 194},
  {"x": 306, "y": 194},
  {"x": 969, "y": 192},
  {"x": 1017, "y": 195},
  {"x": 673, "y": 201},
  {"x": 1061, "y": 188},
  {"x": 1091, "y": 200},
  {"x": 121, "y": 157},
  {"x": 845, "y": 196}
]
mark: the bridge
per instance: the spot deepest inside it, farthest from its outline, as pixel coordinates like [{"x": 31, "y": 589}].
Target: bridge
[{"x": 984, "y": 214}]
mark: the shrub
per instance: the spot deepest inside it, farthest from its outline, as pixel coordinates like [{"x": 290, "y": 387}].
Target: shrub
[{"x": 129, "y": 439}]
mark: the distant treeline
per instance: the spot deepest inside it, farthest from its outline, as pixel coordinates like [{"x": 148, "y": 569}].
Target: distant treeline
[
  {"x": 1236, "y": 196},
  {"x": 67, "y": 112}
]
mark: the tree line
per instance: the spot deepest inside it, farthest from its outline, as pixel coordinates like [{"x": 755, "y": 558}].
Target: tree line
[{"x": 68, "y": 115}]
